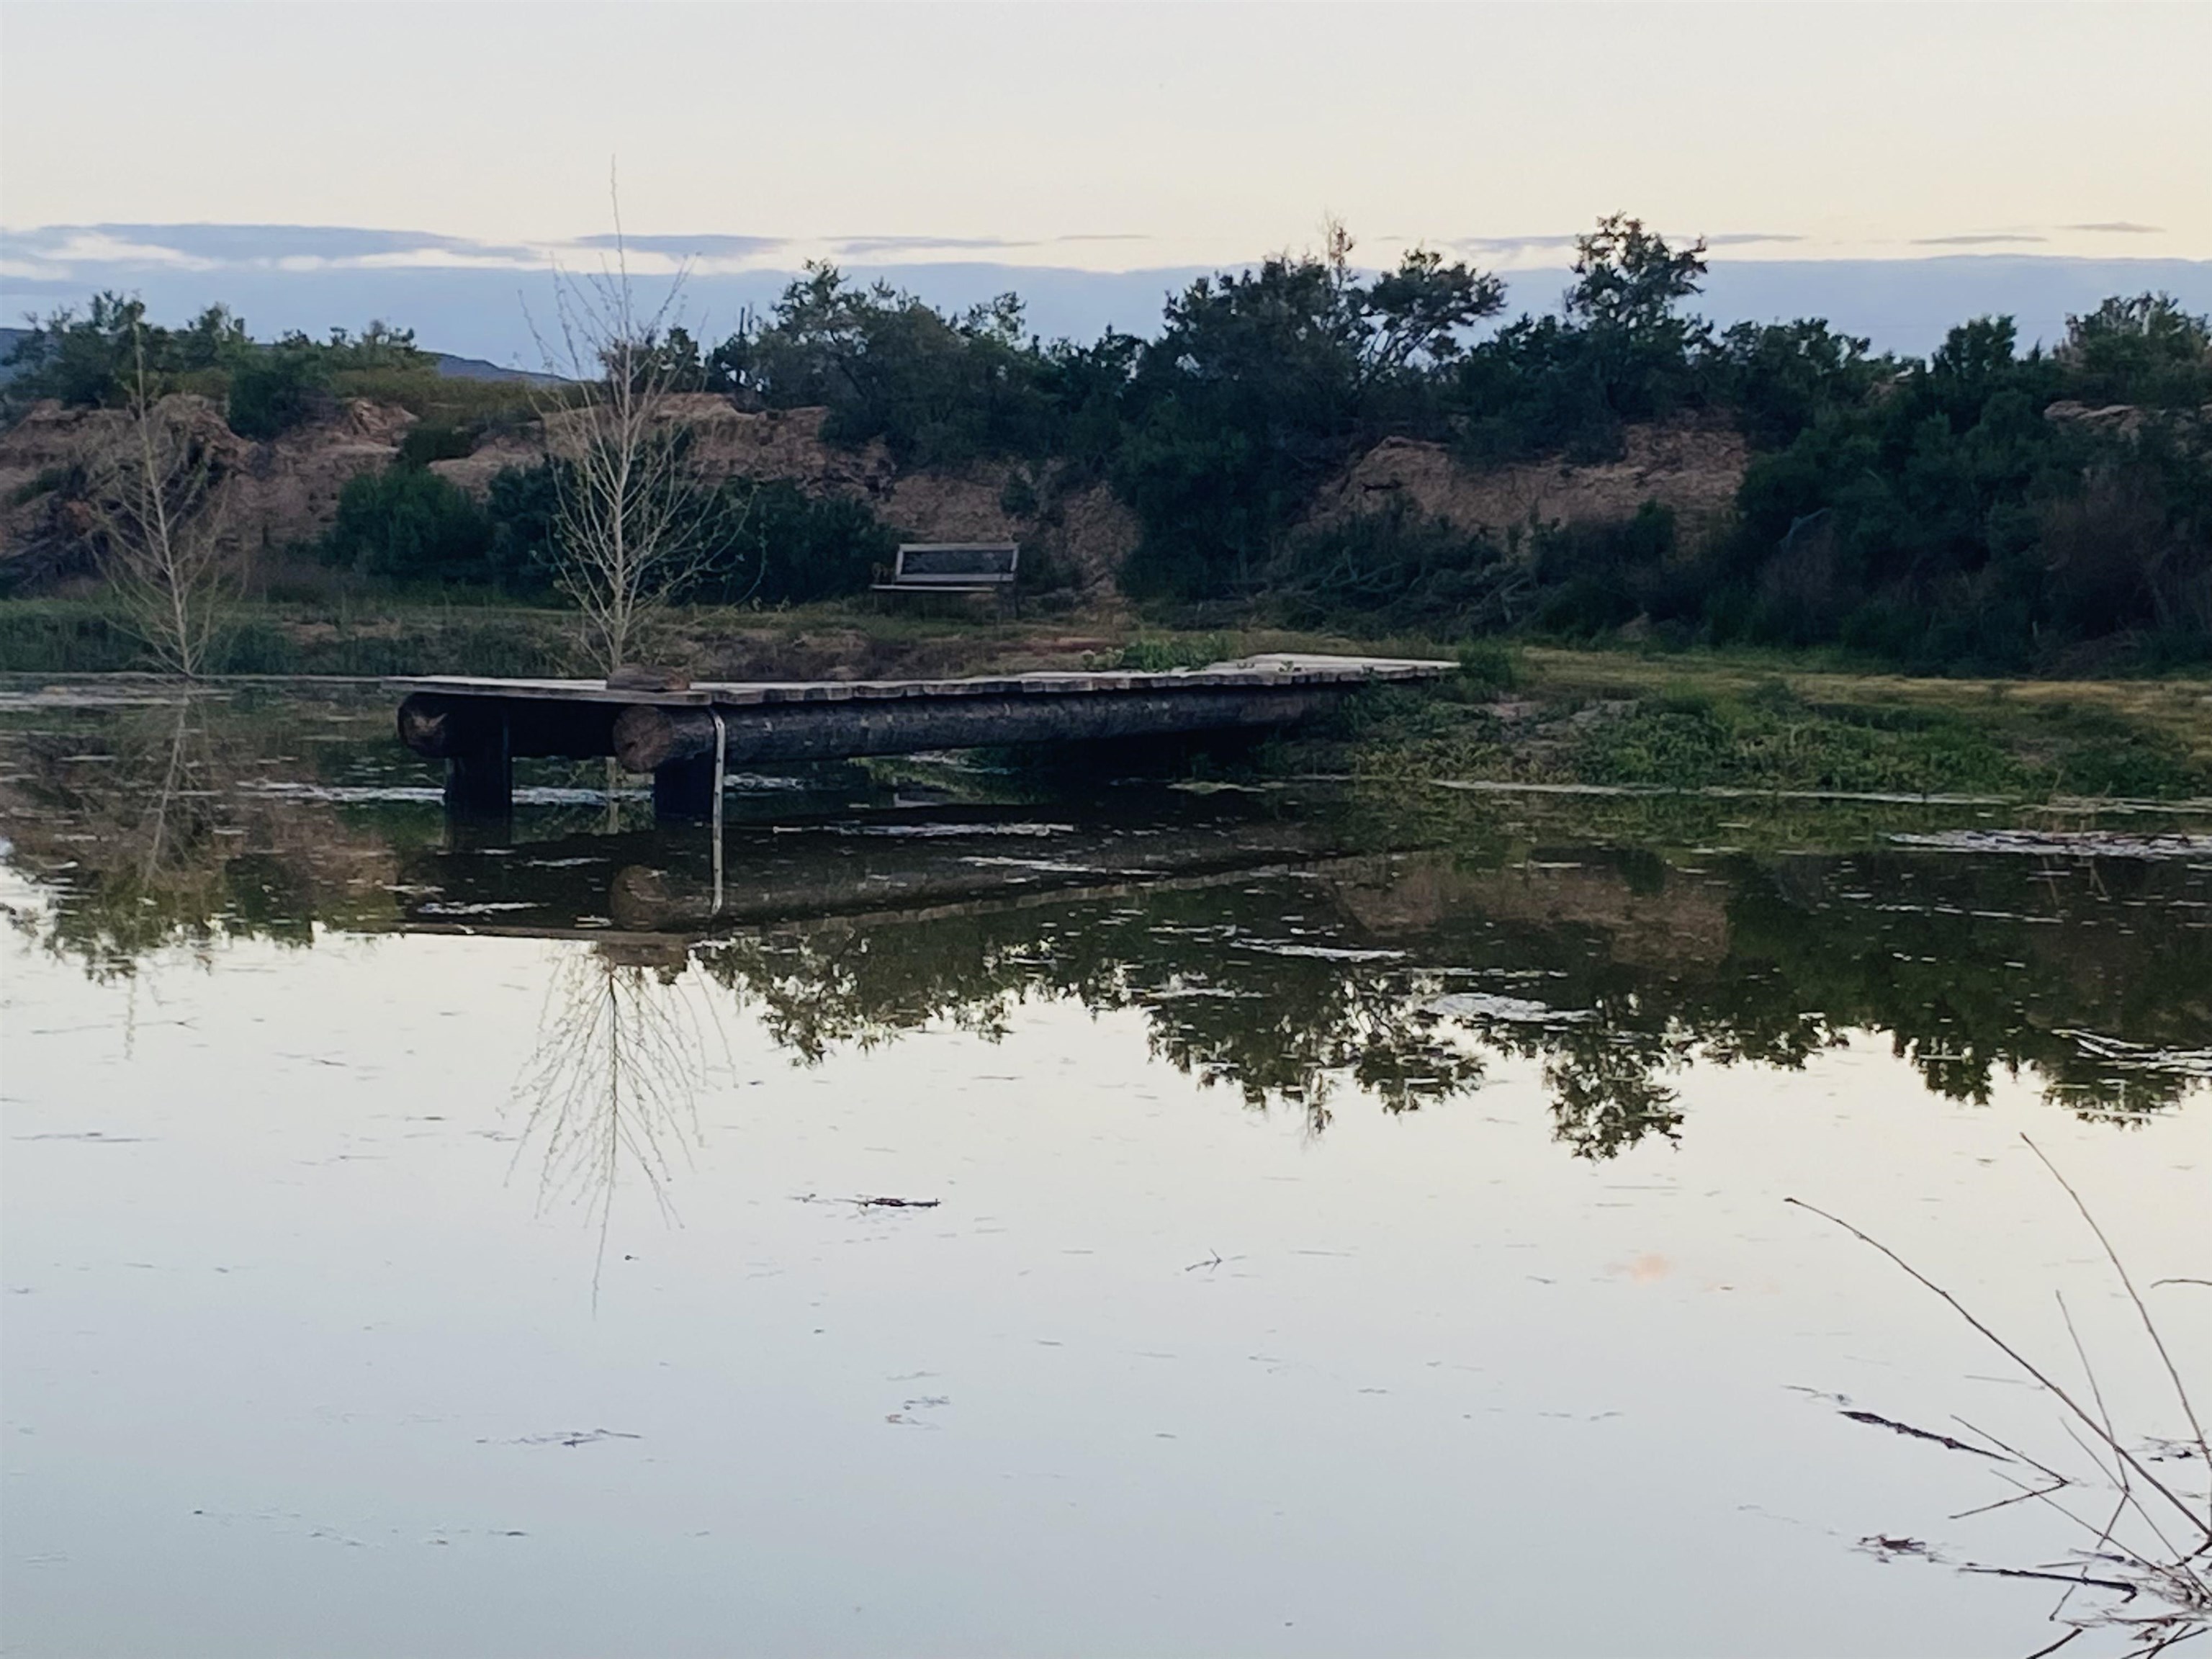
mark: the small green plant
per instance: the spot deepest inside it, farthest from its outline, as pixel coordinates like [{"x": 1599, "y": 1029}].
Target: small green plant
[
  {"x": 1158, "y": 656},
  {"x": 1489, "y": 666}
]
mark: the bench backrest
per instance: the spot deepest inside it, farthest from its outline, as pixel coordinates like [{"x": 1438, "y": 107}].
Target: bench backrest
[{"x": 962, "y": 564}]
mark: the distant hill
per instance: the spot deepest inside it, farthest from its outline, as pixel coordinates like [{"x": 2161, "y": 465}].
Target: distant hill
[
  {"x": 451, "y": 366},
  {"x": 479, "y": 368}
]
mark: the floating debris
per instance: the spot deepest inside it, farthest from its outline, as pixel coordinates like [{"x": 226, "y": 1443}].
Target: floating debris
[
  {"x": 2064, "y": 843},
  {"x": 1510, "y": 1011}
]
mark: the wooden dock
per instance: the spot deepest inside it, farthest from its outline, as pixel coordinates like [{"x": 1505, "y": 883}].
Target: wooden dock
[{"x": 688, "y": 738}]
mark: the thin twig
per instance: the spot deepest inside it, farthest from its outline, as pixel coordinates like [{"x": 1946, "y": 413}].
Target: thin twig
[
  {"x": 2015, "y": 1355},
  {"x": 2125, "y": 1588},
  {"x": 2005, "y": 1445},
  {"x": 2180, "y": 1389}
]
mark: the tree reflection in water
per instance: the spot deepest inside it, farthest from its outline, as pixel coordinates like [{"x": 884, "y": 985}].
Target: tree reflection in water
[
  {"x": 140, "y": 830},
  {"x": 1395, "y": 977},
  {"x": 1264, "y": 951},
  {"x": 615, "y": 1078}
]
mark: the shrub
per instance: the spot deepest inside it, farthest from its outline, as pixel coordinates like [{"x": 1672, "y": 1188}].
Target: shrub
[
  {"x": 408, "y": 525},
  {"x": 1398, "y": 566},
  {"x": 274, "y": 390},
  {"x": 772, "y": 544},
  {"x": 435, "y": 440},
  {"x": 1488, "y": 666}
]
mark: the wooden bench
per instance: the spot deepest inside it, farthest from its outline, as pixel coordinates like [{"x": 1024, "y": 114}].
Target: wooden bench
[{"x": 954, "y": 567}]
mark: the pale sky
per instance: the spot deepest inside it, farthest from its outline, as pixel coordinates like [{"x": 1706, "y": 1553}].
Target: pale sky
[{"x": 1114, "y": 137}]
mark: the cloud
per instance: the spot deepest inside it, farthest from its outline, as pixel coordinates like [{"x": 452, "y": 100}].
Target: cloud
[
  {"x": 107, "y": 244},
  {"x": 30, "y": 271},
  {"x": 1976, "y": 240},
  {"x": 1509, "y": 243},
  {"x": 1563, "y": 241},
  {"x": 860, "y": 247},
  {"x": 710, "y": 247},
  {"x": 871, "y": 247},
  {"x": 2119, "y": 228},
  {"x": 295, "y": 247},
  {"x": 231, "y": 244}
]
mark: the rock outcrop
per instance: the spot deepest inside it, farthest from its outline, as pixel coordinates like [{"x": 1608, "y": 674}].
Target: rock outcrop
[
  {"x": 278, "y": 494},
  {"x": 1692, "y": 467}
]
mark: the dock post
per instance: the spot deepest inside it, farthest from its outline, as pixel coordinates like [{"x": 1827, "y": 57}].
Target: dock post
[
  {"x": 480, "y": 782},
  {"x": 721, "y": 778},
  {"x": 684, "y": 790}
]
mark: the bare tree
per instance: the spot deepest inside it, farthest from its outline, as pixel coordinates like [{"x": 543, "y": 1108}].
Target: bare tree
[
  {"x": 629, "y": 530},
  {"x": 157, "y": 496}
]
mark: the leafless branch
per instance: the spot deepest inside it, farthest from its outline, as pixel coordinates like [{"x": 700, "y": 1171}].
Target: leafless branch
[
  {"x": 2172, "y": 1371},
  {"x": 2055, "y": 1389},
  {"x": 628, "y": 531},
  {"x": 157, "y": 495}
]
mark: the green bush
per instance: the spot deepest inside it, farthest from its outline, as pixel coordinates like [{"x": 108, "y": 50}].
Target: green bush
[
  {"x": 275, "y": 389},
  {"x": 1986, "y": 508},
  {"x": 1398, "y": 567},
  {"x": 407, "y": 525},
  {"x": 435, "y": 440},
  {"x": 1488, "y": 666},
  {"x": 772, "y": 543}
]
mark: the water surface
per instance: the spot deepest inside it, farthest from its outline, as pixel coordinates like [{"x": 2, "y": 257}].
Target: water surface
[{"x": 1331, "y": 1218}]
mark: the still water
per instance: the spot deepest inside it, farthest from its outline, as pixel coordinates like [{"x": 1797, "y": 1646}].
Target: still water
[{"x": 1330, "y": 1219}]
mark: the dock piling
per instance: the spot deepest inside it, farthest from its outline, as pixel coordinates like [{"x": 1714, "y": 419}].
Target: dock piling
[
  {"x": 480, "y": 779},
  {"x": 684, "y": 790}
]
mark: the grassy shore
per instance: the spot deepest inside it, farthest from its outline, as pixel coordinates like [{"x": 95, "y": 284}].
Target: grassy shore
[
  {"x": 1512, "y": 715},
  {"x": 1718, "y": 722}
]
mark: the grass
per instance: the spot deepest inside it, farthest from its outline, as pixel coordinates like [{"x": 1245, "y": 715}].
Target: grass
[
  {"x": 64, "y": 636},
  {"x": 1593, "y": 718}
]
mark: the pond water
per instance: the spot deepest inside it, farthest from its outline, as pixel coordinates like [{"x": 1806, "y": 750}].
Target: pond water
[{"x": 1328, "y": 1218}]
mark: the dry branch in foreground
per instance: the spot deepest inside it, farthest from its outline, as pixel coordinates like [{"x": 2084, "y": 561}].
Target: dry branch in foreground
[{"x": 2149, "y": 1559}]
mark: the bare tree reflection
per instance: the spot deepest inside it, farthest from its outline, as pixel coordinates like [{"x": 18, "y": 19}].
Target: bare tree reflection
[
  {"x": 138, "y": 827},
  {"x": 614, "y": 1082},
  {"x": 168, "y": 823}
]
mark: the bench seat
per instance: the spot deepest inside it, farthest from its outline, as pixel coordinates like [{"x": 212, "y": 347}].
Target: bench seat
[{"x": 953, "y": 568}]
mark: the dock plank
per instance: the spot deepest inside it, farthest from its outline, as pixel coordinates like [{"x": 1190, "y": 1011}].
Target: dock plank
[{"x": 1274, "y": 669}]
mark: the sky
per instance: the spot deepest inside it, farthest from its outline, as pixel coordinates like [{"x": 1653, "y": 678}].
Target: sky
[
  {"x": 146, "y": 144},
  {"x": 1112, "y": 136}
]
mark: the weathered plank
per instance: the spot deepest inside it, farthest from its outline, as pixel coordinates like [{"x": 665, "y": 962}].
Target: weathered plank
[{"x": 1276, "y": 669}]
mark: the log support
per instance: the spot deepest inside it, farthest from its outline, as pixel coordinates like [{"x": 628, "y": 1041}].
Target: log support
[{"x": 646, "y": 738}]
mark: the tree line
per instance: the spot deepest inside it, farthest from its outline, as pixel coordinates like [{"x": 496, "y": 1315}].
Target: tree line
[{"x": 1985, "y": 507}]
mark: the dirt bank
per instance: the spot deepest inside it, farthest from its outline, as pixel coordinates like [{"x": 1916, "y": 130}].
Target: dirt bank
[{"x": 1691, "y": 467}]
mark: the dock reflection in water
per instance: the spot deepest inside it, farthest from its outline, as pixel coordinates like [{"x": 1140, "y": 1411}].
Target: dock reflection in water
[{"x": 1325, "y": 957}]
